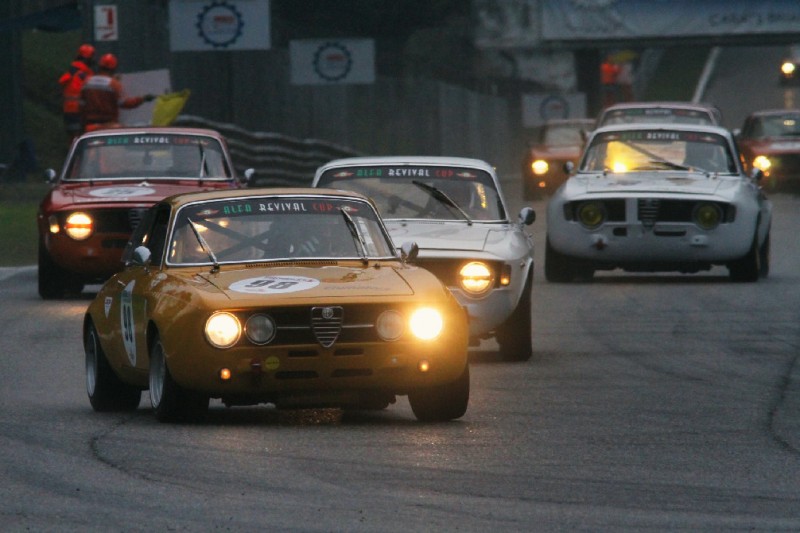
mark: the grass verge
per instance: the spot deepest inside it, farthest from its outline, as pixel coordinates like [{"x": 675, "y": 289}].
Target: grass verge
[{"x": 19, "y": 238}]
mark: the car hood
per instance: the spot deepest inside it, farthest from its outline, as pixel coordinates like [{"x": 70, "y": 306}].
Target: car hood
[
  {"x": 438, "y": 235},
  {"x": 683, "y": 182},
  {"x": 772, "y": 145},
  {"x": 140, "y": 192},
  {"x": 300, "y": 282}
]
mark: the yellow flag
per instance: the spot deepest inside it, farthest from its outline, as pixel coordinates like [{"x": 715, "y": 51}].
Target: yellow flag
[{"x": 168, "y": 107}]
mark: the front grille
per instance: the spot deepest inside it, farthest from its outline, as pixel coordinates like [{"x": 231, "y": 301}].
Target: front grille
[
  {"x": 326, "y": 322},
  {"x": 648, "y": 211}
]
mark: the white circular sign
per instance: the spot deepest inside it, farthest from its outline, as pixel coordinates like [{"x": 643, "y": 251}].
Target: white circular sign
[
  {"x": 121, "y": 192},
  {"x": 274, "y": 284}
]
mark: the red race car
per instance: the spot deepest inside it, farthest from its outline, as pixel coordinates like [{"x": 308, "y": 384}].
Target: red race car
[
  {"x": 770, "y": 140},
  {"x": 109, "y": 179}
]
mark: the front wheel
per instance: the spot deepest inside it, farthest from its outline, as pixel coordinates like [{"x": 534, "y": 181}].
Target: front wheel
[
  {"x": 514, "y": 336},
  {"x": 442, "y": 402},
  {"x": 53, "y": 281},
  {"x": 560, "y": 268},
  {"x": 106, "y": 391},
  {"x": 754, "y": 264},
  {"x": 171, "y": 402}
]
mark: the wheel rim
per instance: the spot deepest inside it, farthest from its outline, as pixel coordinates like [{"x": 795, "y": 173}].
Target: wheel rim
[
  {"x": 157, "y": 372},
  {"x": 91, "y": 362}
]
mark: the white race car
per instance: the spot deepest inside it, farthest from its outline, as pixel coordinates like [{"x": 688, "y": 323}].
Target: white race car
[
  {"x": 659, "y": 197},
  {"x": 454, "y": 209}
]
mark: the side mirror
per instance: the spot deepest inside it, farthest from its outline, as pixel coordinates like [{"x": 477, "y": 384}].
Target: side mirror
[
  {"x": 756, "y": 174},
  {"x": 141, "y": 256},
  {"x": 50, "y": 175},
  {"x": 248, "y": 175},
  {"x": 527, "y": 216},
  {"x": 569, "y": 168},
  {"x": 409, "y": 251}
]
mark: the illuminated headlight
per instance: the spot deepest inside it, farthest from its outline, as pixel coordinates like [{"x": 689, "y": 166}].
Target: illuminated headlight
[
  {"x": 788, "y": 68},
  {"x": 476, "y": 278},
  {"x": 763, "y": 163},
  {"x": 78, "y": 226},
  {"x": 390, "y": 325},
  {"x": 540, "y": 167},
  {"x": 707, "y": 216},
  {"x": 260, "y": 329},
  {"x": 223, "y": 330},
  {"x": 591, "y": 214},
  {"x": 426, "y": 323}
]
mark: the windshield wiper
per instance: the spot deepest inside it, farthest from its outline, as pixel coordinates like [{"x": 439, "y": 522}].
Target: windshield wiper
[
  {"x": 443, "y": 198},
  {"x": 204, "y": 245},
  {"x": 351, "y": 225}
]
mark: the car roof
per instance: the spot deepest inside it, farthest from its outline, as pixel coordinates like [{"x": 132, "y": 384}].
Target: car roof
[
  {"x": 774, "y": 112},
  {"x": 408, "y": 160},
  {"x": 201, "y": 196},
  {"x": 664, "y": 103},
  {"x": 161, "y": 130}
]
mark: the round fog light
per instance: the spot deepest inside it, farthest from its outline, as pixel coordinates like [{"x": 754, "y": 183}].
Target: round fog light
[
  {"x": 591, "y": 214},
  {"x": 260, "y": 329},
  {"x": 707, "y": 216}
]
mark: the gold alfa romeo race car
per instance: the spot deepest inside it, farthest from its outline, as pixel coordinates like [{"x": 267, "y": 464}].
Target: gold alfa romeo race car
[{"x": 293, "y": 297}]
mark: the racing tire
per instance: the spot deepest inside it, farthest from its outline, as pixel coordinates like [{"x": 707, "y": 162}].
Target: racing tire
[
  {"x": 442, "y": 402},
  {"x": 106, "y": 391},
  {"x": 515, "y": 335},
  {"x": 750, "y": 267},
  {"x": 170, "y": 401},
  {"x": 560, "y": 268},
  {"x": 53, "y": 281},
  {"x": 764, "y": 253}
]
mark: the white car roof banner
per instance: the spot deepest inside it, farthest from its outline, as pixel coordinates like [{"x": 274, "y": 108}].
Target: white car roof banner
[
  {"x": 219, "y": 25},
  {"x": 574, "y": 20}
]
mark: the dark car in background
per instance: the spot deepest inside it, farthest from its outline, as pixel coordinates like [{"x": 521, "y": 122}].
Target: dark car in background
[
  {"x": 552, "y": 145},
  {"x": 110, "y": 177},
  {"x": 770, "y": 140}
]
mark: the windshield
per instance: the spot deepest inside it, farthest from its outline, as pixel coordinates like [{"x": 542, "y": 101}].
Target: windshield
[
  {"x": 397, "y": 196},
  {"x": 273, "y": 228},
  {"x": 564, "y": 134},
  {"x": 645, "y": 150},
  {"x": 773, "y": 126},
  {"x": 657, "y": 115},
  {"x": 148, "y": 156}
]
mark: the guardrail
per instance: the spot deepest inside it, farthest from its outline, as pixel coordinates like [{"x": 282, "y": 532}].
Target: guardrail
[{"x": 278, "y": 160}]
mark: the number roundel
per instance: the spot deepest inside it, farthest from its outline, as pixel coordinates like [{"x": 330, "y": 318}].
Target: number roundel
[{"x": 274, "y": 284}]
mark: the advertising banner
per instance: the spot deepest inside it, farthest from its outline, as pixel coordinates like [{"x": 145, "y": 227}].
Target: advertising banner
[
  {"x": 332, "y": 61},
  {"x": 219, "y": 25}
]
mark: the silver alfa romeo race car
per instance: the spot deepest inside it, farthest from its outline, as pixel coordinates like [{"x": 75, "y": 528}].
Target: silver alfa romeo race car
[
  {"x": 659, "y": 197},
  {"x": 454, "y": 209}
]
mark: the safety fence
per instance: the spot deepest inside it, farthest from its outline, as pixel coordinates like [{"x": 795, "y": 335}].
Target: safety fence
[{"x": 278, "y": 160}]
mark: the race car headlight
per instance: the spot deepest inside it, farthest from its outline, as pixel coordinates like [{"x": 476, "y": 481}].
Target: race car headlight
[
  {"x": 260, "y": 329},
  {"x": 591, "y": 214},
  {"x": 707, "y": 216},
  {"x": 476, "y": 278},
  {"x": 762, "y": 162},
  {"x": 788, "y": 68},
  {"x": 390, "y": 325},
  {"x": 426, "y": 324},
  {"x": 223, "y": 330},
  {"x": 540, "y": 167},
  {"x": 79, "y": 226}
]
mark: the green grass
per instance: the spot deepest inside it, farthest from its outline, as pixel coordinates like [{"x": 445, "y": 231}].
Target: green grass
[
  {"x": 45, "y": 57},
  {"x": 19, "y": 237}
]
